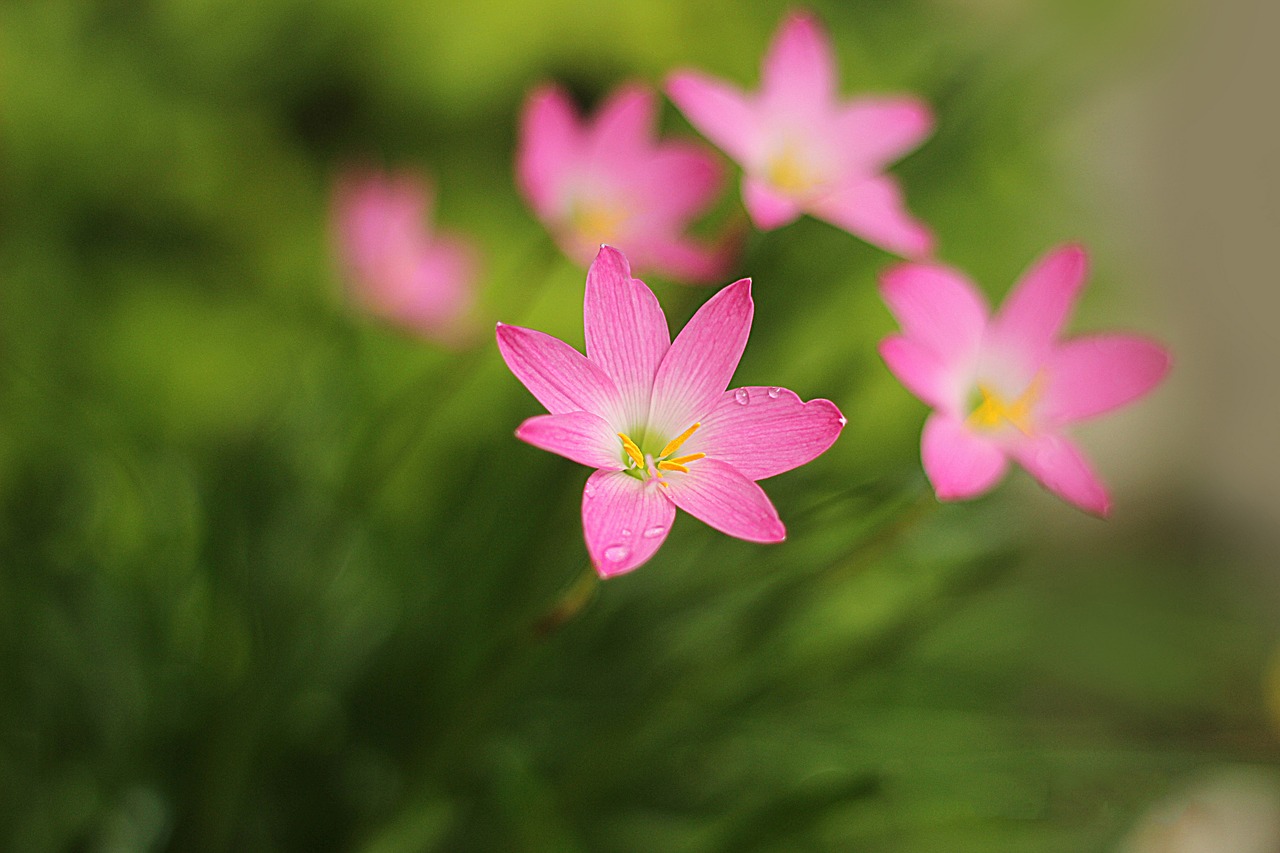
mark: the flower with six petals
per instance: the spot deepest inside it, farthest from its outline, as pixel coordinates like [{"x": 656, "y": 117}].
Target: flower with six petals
[
  {"x": 396, "y": 268},
  {"x": 608, "y": 180},
  {"x": 1004, "y": 387},
  {"x": 803, "y": 150},
  {"x": 656, "y": 420}
]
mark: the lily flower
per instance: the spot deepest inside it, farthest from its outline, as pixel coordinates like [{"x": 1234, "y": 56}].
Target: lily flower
[
  {"x": 804, "y": 150},
  {"x": 396, "y": 267},
  {"x": 609, "y": 180},
  {"x": 655, "y": 420},
  {"x": 1005, "y": 387}
]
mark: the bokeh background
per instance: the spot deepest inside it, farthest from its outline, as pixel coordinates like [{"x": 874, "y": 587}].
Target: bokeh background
[{"x": 271, "y": 572}]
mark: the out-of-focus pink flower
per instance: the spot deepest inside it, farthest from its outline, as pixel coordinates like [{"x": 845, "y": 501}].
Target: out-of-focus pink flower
[
  {"x": 803, "y": 150},
  {"x": 396, "y": 267},
  {"x": 608, "y": 180},
  {"x": 1005, "y": 387},
  {"x": 653, "y": 416}
]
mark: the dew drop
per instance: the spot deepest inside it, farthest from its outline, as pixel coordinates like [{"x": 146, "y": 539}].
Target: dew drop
[
  {"x": 654, "y": 532},
  {"x": 589, "y": 490},
  {"x": 626, "y": 531},
  {"x": 843, "y": 420},
  {"x": 774, "y": 393},
  {"x": 617, "y": 553},
  {"x": 742, "y": 396}
]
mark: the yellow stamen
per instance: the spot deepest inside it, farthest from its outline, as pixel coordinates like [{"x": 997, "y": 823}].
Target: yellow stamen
[
  {"x": 599, "y": 223},
  {"x": 993, "y": 410},
  {"x": 788, "y": 173},
  {"x": 633, "y": 450},
  {"x": 674, "y": 444},
  {"x": 668, "y": 465},
  {"x": 681, "y": 460}
]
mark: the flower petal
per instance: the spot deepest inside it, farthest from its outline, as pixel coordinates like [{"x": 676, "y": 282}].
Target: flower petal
[
  {"x": 560, "y": 377},
  {"x": 624, "y": 521},
  {"x": 1062, "y": 469},
  {"x": 626, "y": 330},
  {"x": 873, "y": 208},
  {"x": 1093, "y": 375},
  {"x": 719, "y": 111},
  {"x": 681, "y": 180},
  {"x": 623, "y": 128},
  {"x": 767, "y": 207},
  {"x": 764, "y": 431},
  {"x": 799, "y": 71},
  {"x": 549, "y": 148},
  {"x": 701, "y": 361},
  {"x": 580, "y": 436},
  {"x": 922, "y": 372},
  {"x": 718, "y": 494},
  {"x": 937, "y": 308},
  {"x": 1036, "y": 309},
  {"x": 959, "y": 463},
  {"x": 877, "y": 131},
  {"x": 691, "y": 261}
]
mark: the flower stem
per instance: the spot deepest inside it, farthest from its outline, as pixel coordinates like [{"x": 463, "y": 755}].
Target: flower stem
[{"x": 571, "y": 602}]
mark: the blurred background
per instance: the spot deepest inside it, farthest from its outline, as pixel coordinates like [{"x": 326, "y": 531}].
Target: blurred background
[{"x": 270, "y": 570}]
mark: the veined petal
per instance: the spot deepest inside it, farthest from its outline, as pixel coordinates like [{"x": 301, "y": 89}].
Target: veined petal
[
  {"x": 718, "y": 494},
  {"x": 1062, "y": 469},
  {"x": 624, "y": 521},
  {"x": 580, "y": 436},
  {"x": 764, "y": 431},
  {"x": 1036, "y": 309},
  {"x": 921, "y": 372},
  {"x": 767, "y": 207},
  {"x": 719, "y": 111},
  {"x": 1092, "y": 375},
  {"x": 937, "y": 307},
  {"x": 626, "y": 330},
  {"x": 560, "y": 377},
  {"x": 548, "y": 151},
  {"x": 959, "y": 463},
  {"x": 873, "y": 208},
  {"x": 697, "y": 368},
  {"x": 623, "y": 128},
  {"x": 799, "y": 71},
  {"x": 875, "y": 132}
]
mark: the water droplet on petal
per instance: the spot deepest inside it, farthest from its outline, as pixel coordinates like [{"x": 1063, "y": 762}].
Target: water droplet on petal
[
  {"x": 774, "y": 393},
  {"x": 626, "y": 531},
  {"x": 843, "y": 420},
  {"x": 654, "y": 532},
  {"x": 742, "y": 396},
  {"x": 589, "y": 490},
  {"x": 617, "y": 553}
]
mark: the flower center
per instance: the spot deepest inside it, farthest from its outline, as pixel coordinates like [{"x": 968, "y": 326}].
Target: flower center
[
  {"x": 789, "y": 173},
  {"x": 599, "y": 223},
  {"x": 993, "y": 411},
  {"x": 644, "y": 466}
]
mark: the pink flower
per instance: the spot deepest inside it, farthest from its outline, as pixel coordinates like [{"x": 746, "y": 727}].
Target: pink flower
[
  {"x": 610, "y": 181},
  {"x": 396, "y": 268},
  {"x": 1005, "y": 387},
  {"x": 654, "y": 417},
  {"x": 803, "y": 150}
]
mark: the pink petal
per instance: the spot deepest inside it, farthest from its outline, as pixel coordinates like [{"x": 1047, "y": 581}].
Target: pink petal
[
  {"x": 623, "y": 126},
  {"x": 878, "y": 131},
  {"x": 922, "y": 372},
  {"x": 560, "y": 377},
  {"x": 1093, "y": 375},
  {"x": 434, "y": 299},
  {"x": 719, "y": 495},
  {"x": 764, "y": 431},
  {"x": 626, "y": 330},
  {"x": 580, "y": 436},
  {"x": 1062, "y": 469},
  {"x": 1036, "y": 309},
  {"x": 624, "y": 521},
  {"x": 719, "y": 111},
  {"x": 767, "y": 207},
  {"x": 959, "y": 463},
  {"x": 681, "y": 180},
  {"x": 698, "y": 367},
  {"x": 688, "y": 260},
  {"x": 549, "y": 150},
  {"x": 799, "y": 73},
  {"x": 873, "y": 208},
  {"x": 938, "y": 308}
]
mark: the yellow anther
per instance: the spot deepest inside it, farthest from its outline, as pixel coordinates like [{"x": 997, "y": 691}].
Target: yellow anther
[
  {"x": 681, "y": 460},
  {"x": 633, "y": 450},
  {"x": 674, "y": 444},
  {"x": 599, "y": 223},
  {"x": 787, "y": 172},
  {"x": 668, "y": 465},
  {"x": 993, "y": 410}
]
